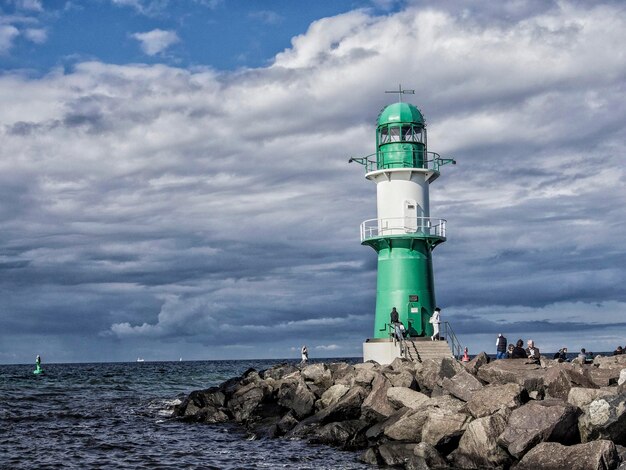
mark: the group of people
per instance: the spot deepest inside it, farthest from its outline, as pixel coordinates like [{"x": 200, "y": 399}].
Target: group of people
[
  {"x": 400, "y": 332},
  {"x": 504, "y": 350}
]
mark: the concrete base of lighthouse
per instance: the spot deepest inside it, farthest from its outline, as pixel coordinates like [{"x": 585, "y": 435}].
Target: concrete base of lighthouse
[{"x": 381, "y": 350}]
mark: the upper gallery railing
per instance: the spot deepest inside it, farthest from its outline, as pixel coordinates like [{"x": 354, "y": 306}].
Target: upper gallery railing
[{"x": 421, "y": 226}]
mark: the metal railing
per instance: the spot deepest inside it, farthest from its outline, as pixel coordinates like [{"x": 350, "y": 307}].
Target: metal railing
[
  {"x": 453, "y": 341},
  {"x": 427, "y": 160},
  {"x": 421, "y": 226}
]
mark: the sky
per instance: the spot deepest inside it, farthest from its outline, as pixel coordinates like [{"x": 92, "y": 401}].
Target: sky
[{"x": 174, "y": 177}]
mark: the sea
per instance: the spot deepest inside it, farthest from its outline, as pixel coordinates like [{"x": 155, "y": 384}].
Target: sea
[{"x": 118, "y": 415}]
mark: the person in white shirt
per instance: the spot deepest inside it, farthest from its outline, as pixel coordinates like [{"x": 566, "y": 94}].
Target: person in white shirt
[{"x": 435, "y": 319}]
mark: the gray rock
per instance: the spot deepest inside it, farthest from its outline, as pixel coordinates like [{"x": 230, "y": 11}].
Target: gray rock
[
  {"x": 560, "y": 378},
  {"x": 409, "y": 426},
  {"x": 278, "y": 371},
  {"x": 581, "y": 397},
  {"x": 462, "y": 385},
  {"x": 402, "y": 396},
  {"x": 348, "y": 407},
  {"x": 478, "y": 448},
  {"x": 433, "y": 371},
  {"x": 395, "y": 453},
  {"x": 597, "y": 455},
  {"x": 245, "y": 401},
  {"x": 376, "y": 406},
  {"x": 622, "y": 377},
  {"x": 319, "y": 374},
  {"x": 341, "y": 372},
  {"x": 347, "y": 435},
  {"x": 332, "y": 395},
  {"x": 603, "y": 376},
  {"x": 539, "y": 421},
  {"x": 370, "y": 457},
  {"x": 286, "y": 423},
  {"x": 425, "y": 457},
  {"x": 295, "y": 395},
  {"x": 504, "y": 371},
  {"x": 403, "y": 378},
  {"x": 492, "y": 398},
  {"x": 480, "y": 360},
  {"x": 610, "y": 362},
  {"x": 364, "y": 377},
  {"x": 443, "y": 428},
  {"x": 375, "y": 432},
  {"x": 604, "y": 418}
]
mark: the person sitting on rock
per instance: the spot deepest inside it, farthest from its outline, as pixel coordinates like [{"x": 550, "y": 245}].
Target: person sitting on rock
[
  {"x": 582, "y": 357},
  {"x": 532, "y": 352},
  {"x": 618, "y": 351},
  {"x": 509, "y": 351},
  {"x": 561, "y": 356},
  {"x": 501, "y": 346},
  {"x": 518, "y": 351}
]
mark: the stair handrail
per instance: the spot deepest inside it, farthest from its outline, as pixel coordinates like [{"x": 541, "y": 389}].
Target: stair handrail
[{"x": 453, "y": 341}]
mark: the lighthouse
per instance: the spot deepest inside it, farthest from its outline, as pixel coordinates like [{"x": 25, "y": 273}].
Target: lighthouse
[{"x": 403, "y": 234}]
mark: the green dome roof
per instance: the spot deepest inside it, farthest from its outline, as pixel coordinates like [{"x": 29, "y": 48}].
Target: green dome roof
[{"x": 400, "y": 112}]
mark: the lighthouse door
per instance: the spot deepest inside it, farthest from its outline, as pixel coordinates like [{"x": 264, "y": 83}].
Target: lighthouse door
[
  {"x": 415, "y": 319},
  {"x": 410, "y": 216}
]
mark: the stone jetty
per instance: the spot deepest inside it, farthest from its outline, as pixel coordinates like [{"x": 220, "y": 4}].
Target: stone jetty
[{"x": 438, "y": 413}]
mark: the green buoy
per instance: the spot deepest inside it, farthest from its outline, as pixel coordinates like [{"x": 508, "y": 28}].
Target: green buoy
[{"x": 38, "y": 369}]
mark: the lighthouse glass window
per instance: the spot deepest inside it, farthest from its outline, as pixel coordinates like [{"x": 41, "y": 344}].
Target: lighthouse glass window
[
  {"x": 394, "y": 134},
  {"x": 384, "y": 135}
]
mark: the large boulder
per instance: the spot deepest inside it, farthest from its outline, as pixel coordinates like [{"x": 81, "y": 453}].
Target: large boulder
[
  {"x": 204, "y": 405},
  {"x": 478, "y": 448},
  {"x": 395, "y": 453},
  {"x": 247, "y": 400},
  {"x": 603, "y": 376},
  {"x": 462, "y": 385},
  {"x": 403, "y": 396},
  {"x": 341, "y": 373},
  {"x": 347, "y": 435},
  {"x": 443, "y": 428},
  {"x": 433, "y": 371},
  {"x": 492, "y": 398},
  {"x": 278, "y": 371},
  {"x": 479, "y": 360},
  {"x": 296, "y": 396},
  {"x": 610, "y": 362},
  {"x": 529, "y": 376},
  {"x": 539, "y": 421},
  {"x": 425, "y": 457},
  {"x": 408, "y": 427},
  {"x": 561, "y": 377},
  {"x": 376, "y": 406},
  {"x": 604, "y": 418},
  {"x": 376, "y": 432},
  {"x": 580, "y": 397},
  {"x": 319, "y": 375},
  {"x": 332, "y": 395},
  {"x": 597, "y": 455},
  {"x": 402, "y": 378},
  {"x": 348, "y": 407}
]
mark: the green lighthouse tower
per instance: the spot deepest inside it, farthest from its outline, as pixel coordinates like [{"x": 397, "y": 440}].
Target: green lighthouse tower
[{"x": 404, "y": 234}]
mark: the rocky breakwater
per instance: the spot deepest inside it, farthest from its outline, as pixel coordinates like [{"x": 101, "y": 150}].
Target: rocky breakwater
[{"x": 437, "y": 413}]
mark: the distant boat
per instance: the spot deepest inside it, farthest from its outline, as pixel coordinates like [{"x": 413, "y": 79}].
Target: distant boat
[{"x": 140, "y": 359}]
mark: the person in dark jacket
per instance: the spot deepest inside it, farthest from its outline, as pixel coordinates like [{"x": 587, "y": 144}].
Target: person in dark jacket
[
  {"x": 561, "y": 356},
  {"x": 501, "y": 347},
  {"x": 619, "y": 351},
  {"x": 518, "y": 351}
]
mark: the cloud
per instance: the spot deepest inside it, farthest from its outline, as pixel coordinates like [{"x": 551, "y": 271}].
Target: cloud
[
  {"x": 156, "y": 41},
  {"x": 32, "y": 5},
  {"x": 36, "y": 35},
  {"x": 168, "y": 208},
  {"x": 7, "y": 34},
  {"x": 267, "y": 17},
  {"x": 145, "y": 7}
]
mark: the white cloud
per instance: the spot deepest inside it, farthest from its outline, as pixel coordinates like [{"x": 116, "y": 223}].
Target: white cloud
[
  {"x": 32, "y": 5},
  {"x": 7, "y": 34},
  {"x": 36, "y": 35},
  {"x": 156, "y": 41}
]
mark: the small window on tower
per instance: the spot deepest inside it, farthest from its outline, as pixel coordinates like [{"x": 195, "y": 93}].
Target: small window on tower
[
  {"x": 407, "y": 133},
  {"x": 411, "y": 207},
  {"x": 394, "y": 134}
]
